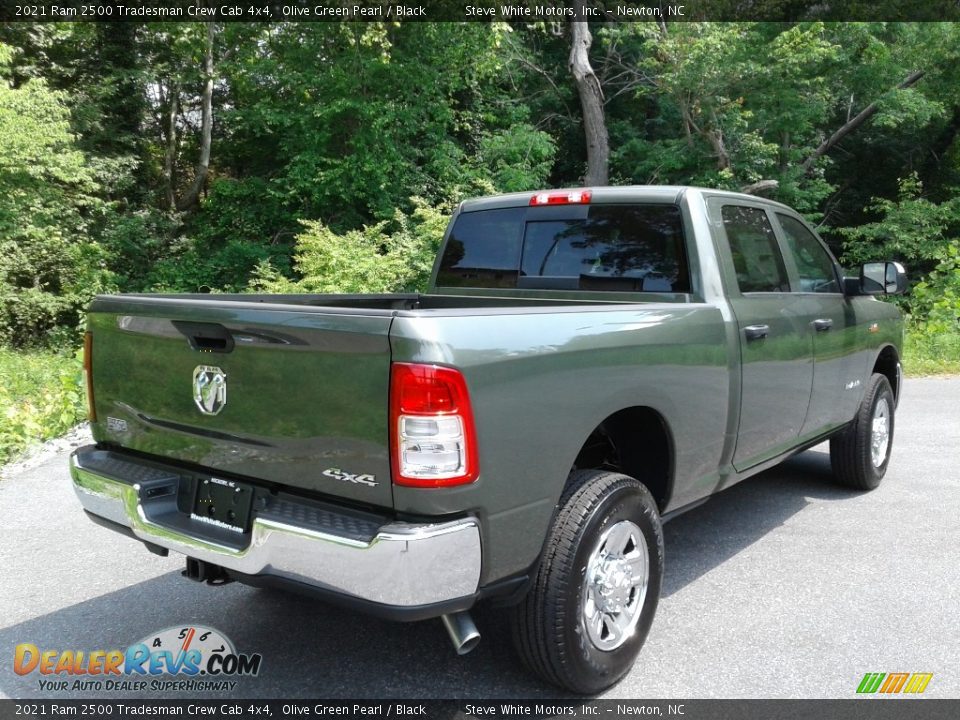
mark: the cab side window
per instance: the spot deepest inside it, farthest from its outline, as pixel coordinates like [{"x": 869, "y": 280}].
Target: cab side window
[
  {"x": 817, "y": 274},
  {"x": 756, "y": 255}
]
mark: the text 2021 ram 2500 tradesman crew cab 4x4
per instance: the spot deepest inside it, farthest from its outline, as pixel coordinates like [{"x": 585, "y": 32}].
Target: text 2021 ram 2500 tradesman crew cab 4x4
[{"x": 585, "y": 364}]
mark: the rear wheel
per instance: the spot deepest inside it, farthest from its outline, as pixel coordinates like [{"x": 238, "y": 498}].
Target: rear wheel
[
  {"x": 860, "y": 454},
  {"x": 590, "y": 608}
]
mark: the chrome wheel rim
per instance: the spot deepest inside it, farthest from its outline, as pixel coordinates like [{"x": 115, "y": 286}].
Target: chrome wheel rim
[
  {"x": 880, "y": 432},
  {"x": 615, "y": 585}
]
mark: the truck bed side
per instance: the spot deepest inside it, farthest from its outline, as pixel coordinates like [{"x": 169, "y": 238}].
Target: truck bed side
[{"x": 542, "y": 380}]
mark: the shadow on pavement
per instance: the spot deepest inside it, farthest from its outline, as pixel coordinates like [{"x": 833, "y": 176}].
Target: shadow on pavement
[
  {"x": 309, "y": 649},
  {"x": 703, "y": 538},
  {"x": 314, "y": 650}
]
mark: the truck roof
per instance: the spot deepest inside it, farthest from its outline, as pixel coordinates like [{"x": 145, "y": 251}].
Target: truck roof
[{"x": 609, "y": 194}]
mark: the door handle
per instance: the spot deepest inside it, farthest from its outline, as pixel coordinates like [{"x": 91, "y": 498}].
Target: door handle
[
  {"x": 756, "y": 332},
  {"x": 822, "y": 324}
]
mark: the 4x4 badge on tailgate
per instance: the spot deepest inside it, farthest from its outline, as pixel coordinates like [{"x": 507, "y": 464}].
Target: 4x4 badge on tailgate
[
  {"x": 209, "y": 389},
  {"x": 338, "y": 474}
]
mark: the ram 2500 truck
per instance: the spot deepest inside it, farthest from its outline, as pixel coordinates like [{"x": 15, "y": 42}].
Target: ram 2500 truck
[{"x": 584, "y": 365}]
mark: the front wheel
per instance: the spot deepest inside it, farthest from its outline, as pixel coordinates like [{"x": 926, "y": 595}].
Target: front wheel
[
  {"x": 860, "y": 454},
  {"x": 591, "y": 605}
]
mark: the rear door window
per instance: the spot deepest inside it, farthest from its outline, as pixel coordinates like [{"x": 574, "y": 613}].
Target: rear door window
[
  {"x": 625, "y": 248},
  {"x": 756, "y": 256}
]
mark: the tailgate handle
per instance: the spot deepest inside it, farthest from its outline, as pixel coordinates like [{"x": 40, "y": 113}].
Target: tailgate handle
[
  {"x": 206, "y": 337},
  {"x": 209, "y": 344}
]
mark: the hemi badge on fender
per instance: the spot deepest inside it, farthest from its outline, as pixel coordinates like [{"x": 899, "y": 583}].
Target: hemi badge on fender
[{"x": 874, "y": 327}]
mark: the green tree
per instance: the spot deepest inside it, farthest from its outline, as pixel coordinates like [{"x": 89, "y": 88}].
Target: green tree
[
  {"x": 48, "y": 266},
  {"x": 925, "y": 235},
  {"x": 911, "y": 228},
  {"x": 734, "y": 104}
]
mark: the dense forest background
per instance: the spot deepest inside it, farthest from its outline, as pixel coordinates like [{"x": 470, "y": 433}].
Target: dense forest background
[{"x": 324, "y": 157}]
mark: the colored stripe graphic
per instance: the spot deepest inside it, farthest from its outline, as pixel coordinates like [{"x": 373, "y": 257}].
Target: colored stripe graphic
[
  {"x": 918, "y": 683},
  {"x": 894, "y": 682},
  {"x": 870, "y": 682}
]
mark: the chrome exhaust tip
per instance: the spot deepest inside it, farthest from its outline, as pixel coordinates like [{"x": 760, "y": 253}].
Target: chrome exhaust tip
[{"x": 463, "y": 633}]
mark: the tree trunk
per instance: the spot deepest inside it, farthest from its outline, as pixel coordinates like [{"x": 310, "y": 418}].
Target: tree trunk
[
  {"x": 687, "y": 122},
  {"x": 203, "y": 166},
  {"x": 591, "y": 101},
  {"x": 856, "y": 121},
  {"x": 715, "y": 137},
  {"x": 170, "y": 155}
]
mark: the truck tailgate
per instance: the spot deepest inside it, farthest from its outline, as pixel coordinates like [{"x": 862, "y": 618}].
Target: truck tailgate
[{"x": 283, "y": 394}]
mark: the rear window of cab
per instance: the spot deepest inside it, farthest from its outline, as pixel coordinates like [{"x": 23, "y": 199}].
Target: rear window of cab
[{"x": 620, "y": 248}]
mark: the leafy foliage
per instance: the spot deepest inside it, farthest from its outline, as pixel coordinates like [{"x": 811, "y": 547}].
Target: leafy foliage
[
  {"x": 728, "y": 104},
  {"x": 323, "y": 131},
  {"x": 41, "y": 396},
  {"x": 519, "y": 158},
  {"x": 392, "y": 110},
  {"x": 926, "y": 236},
  {"x": 910, "y": 228},
  {"x": 936, "y": 299},
  {"x": 48, "y": 266},
  {"x": 389, "y": 256}
]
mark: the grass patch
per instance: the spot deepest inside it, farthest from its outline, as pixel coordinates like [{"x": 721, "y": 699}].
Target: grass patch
[
  {"x": 926, "y": 353},
  {"x": 41, "y": 396}
]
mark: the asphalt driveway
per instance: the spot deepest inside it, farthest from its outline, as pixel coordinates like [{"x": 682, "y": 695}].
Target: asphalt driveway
[{"x": 783, "y": 586}]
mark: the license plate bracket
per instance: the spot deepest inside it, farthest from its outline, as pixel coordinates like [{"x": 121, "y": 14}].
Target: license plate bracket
[{"x": 224, "y": 503}]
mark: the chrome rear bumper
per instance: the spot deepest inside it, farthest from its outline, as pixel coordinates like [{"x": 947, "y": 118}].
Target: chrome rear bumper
[{"x": 396, "y": 564}]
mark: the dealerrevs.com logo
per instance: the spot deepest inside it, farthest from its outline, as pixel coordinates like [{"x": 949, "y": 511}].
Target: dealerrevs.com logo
[{"x": 199, "y": 658}]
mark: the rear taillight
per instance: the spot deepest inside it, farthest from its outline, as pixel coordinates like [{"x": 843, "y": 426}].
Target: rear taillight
[
  {"x": 567, "y": 197},
  {"x": 88, "y": 374},
  {"x": 432, "y": 438}
]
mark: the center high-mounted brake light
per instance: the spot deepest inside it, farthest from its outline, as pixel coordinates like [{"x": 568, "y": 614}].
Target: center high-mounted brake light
[
  {"x": 432, "y": 437},
  {"x": 567, "y": 197}
]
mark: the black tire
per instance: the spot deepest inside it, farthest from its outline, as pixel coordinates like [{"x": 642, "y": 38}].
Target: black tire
[
  {"x": 851, "y": 452},
  {"x": 549, "y": 630}
]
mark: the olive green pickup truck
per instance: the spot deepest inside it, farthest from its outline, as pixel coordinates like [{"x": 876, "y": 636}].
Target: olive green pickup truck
[{"x": 585, "y": 365}]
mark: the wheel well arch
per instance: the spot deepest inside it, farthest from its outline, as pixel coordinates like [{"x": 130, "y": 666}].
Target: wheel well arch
[
  {"x": 888, "y": 364},
  {"x": 635, "y": 441}
]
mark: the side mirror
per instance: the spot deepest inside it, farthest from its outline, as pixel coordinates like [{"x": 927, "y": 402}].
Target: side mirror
[{"x": 883, "y": 278}]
